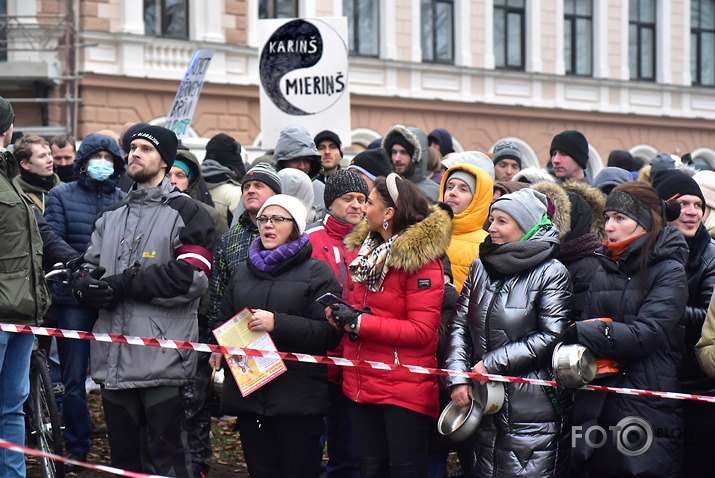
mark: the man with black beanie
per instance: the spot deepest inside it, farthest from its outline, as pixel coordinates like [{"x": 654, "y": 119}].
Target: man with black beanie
[
  {"x": 223, "y": 169},
  {"x": 227, "y": 152},
  {"x": 372, "y": 163},
  {"x": 146, "y": 267},
  {"x": 675, "y": 186},
  {"x": 331, "y": 152},
  {"x": 569, "y": 155},
  {"x": 345, "y": 195}
]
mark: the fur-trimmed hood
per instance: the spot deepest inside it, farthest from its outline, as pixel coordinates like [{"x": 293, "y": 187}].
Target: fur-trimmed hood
[
  {"x": 595, "y": 200},
  {"x": 419, "y": 244},
  {"x": 562, "y": 206},
  {"x": 417, "y": 171},
  {"x": 583, "y": 195}
]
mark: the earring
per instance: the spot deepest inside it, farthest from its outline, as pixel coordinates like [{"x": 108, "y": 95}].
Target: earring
[{"x": 385, "y": 225}]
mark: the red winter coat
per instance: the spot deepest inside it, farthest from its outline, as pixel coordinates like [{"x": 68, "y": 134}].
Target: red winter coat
[
  {"x": 327, "y": 241},
  {"x": 402, "y": 328}
]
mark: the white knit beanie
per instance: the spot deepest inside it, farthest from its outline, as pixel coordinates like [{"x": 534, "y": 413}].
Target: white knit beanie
[{"x": 294, "y": 206}]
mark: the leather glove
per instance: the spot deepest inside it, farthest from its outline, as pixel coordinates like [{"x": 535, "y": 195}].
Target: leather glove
[
  {"x": 89, "y": 290},
  {"x": 346, "y": 315}
]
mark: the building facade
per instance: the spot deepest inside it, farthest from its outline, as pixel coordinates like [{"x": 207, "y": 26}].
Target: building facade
[{"x": 637, "y": 75}]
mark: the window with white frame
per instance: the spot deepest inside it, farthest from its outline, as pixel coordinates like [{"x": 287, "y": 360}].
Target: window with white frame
[
  {"x": 509, "y": 34},
  {"x": 277, "y": 8},
  {"x": 166, "y": 18},
  {"x": 578, "y": 37},
  {"x": 702, "y": 42},
  {"x": 641, "y": 39},
  {"x": 363, "y": 26},
  {"x": 437, "y": 30}
]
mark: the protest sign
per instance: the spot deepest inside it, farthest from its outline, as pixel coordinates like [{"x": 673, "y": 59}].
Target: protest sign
[
  {"x": 303, "y": 69},
  {"x": 182, "y": 110}
]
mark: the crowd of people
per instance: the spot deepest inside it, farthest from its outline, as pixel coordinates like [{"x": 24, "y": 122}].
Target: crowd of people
[{"x": 442, "y": 259}]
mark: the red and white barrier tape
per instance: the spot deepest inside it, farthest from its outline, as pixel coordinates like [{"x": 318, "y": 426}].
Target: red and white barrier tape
[
  {"x": 61, "y": 459},
  {"x": 199, "y": 347}
]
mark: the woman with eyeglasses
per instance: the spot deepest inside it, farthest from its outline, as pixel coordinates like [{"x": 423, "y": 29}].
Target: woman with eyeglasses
[
  {"x": 281, "y": 422},
  {"x": 399, "y": 284}
]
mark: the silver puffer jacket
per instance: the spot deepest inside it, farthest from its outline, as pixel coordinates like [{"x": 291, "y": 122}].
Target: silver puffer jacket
[{"x": 510, "y": 324}]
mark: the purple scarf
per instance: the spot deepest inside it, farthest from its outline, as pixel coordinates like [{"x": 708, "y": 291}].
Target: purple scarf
[{"x": 266, "y": 260}]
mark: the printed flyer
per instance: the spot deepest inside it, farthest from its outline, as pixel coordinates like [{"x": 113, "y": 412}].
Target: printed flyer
[{"x": 251, "y": 373}]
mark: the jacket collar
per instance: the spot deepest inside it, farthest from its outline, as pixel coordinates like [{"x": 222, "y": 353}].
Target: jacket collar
[
  {"x": 159, "y": 194},
  {"x": 418, "y": 245},
  {"x": 335, "y": 228},
  {"x": 107, "y": 186}
]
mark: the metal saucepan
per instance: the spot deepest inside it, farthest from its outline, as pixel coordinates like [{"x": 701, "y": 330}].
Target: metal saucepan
[
  {"x": 460, "y": 422},
  {"x": 574, "y": 365},
  {"x": 490, "y": 396},
  {"x": 217, "y": 379}
]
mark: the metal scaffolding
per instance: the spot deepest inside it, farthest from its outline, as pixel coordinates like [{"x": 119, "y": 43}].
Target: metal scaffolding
[{"x": 41, "y": 51}]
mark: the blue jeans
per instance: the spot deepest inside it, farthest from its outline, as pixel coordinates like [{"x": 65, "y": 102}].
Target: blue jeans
[
  {"x": 74, "y": 356},
  {"x": 15, "y": 350}
]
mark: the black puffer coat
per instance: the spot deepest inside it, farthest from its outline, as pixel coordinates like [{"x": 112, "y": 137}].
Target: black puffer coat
[
  {"x": 645, "y": 308},
  {"x": 510, "y": 324},
  {"x": 700, "y": 270},
  {"x": 289, "y": 291}
]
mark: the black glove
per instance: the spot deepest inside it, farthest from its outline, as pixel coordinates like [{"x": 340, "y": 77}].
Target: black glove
[
  {"x": 346, "y": 315},
  {"x": 89, "y": 290},
  {"x": 568, "y": 336},
  {"x": 121, "y": 284},
  {"x": 74, "y": 264}
]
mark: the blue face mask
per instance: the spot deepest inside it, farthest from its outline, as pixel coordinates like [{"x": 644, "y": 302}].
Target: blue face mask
[{"x": 100, "y": 169}]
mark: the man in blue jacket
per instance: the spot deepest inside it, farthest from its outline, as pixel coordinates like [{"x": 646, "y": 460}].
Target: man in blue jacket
[{"x": 71, "y": 210}]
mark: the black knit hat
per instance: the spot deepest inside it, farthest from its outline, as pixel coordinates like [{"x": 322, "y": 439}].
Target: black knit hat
[
  {"x": 671, "y": 184},
  {"x": 341, "y": 182},
  {"x": 163, "y": 139},
  {"x": 574, "y": 144},
  {"x": 329, "y": 136},
  {"x": 7, "y": 115},
  {"x": 624, "y": 160},
  {"x": 264, "y": 173},
  {"x": 127, "y": 136},
  {"x": 227, "y": 151},
  {"x": 402, "y": 141},
  {"x": 372, "y": 163}
]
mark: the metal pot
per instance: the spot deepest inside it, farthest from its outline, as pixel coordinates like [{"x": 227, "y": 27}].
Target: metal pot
[
  {"x": 574, "y": 365},
  {"x": 490, "y": 396},
  {"x": 217, "y": 379},
  {"x": 460, "y": 422}
]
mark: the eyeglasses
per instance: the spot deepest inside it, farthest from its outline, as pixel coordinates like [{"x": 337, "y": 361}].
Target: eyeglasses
[{"x": 273, "y": 220}]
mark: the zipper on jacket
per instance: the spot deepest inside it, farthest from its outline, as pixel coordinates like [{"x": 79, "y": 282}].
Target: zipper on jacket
[
  {"x": 357, "y": 395},
  {"x": 397, "y": 359},
  {"x": 487, "y": 328}
]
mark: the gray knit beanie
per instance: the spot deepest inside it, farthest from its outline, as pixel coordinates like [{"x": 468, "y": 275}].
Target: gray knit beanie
[
  {"x": 526, "y": 206},
  {"x": 506, "y": 150},
  {"x": 465, "y": 176}
]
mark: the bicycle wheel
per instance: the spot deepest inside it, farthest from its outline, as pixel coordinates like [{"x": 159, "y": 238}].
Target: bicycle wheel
[{"x": 45, "y": 422}]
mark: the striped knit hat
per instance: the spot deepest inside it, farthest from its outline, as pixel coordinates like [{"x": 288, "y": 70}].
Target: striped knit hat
[{"x": 264, "y": 173}]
